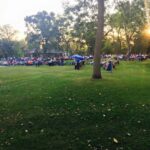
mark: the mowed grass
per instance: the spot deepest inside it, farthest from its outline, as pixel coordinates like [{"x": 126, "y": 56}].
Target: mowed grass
[{"x": 59, "y": 108}]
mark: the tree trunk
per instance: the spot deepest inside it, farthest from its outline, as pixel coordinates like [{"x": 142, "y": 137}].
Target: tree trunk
[
  {"x": 129, "y": 49},
  {"x": 99, "y": 40}
]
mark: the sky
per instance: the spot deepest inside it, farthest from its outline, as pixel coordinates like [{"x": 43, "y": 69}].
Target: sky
[{"x": 13, "y": 12}]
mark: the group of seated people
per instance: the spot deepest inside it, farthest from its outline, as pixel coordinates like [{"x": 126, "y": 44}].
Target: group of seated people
[{"x": 56, "y": 61}]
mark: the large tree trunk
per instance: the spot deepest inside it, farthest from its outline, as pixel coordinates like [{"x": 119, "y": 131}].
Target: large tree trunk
[{"x": 99, "y": 40}]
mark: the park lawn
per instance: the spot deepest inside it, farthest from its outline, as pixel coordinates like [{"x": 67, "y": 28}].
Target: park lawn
[{"x": 59, "y": 108}]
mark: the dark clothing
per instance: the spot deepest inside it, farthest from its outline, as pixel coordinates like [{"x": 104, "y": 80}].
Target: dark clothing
[
  {"x": 110, "y": 66},
  {"x": 77, "y": 64}
]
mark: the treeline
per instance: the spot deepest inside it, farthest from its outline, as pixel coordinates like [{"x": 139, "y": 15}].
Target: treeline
[
  {"x": 9, "y": 46},
  {"x": 74, "y": 31}
]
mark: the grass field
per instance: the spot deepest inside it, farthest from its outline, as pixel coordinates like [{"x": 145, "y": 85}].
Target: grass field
[{"x": 59, "y": 108}]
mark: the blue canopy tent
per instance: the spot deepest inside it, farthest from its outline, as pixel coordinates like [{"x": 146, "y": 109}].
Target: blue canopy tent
[{"x": 76, "y": 56}]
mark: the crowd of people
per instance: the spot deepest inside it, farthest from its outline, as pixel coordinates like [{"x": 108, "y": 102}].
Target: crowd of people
[
  {"x": 133, "y": 57},
  {"x": 29, "y": 61},
  {"x": 108, "y": 61}
]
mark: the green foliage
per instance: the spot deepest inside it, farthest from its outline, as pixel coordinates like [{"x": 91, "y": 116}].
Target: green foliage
[
  {"x": 75, "y": 30},
  {"x": 9, "y": 46},
  {"x": 43, "y": 26},
  {"x": 107, "y": 47},
  {"x": 83, "y": 15},
  {"x": 121, "y": 26},
  {"x": 126, "y": 25}
]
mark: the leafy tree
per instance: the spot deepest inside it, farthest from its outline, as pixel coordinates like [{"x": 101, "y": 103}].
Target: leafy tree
[
  {"x": 141, "y": 44},
  {"x": 43, "y": 26},
  {"x": 9, "y": 46},
  {"x": 126, "y": 25},
  {"x": 83, "y": 16},
  {"x": 7, "y": 33}
]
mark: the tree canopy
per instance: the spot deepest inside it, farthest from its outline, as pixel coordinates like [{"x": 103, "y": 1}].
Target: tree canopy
[{"x": 75, "y": 30}]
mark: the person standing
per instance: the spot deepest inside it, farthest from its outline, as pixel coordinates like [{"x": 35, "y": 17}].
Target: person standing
[
  {"x": 77, "y": 64},
  {"x": 110, "y": 66}
]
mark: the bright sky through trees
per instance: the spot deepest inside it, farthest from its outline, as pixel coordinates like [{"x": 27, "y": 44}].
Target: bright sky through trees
[{"x": 13, "y": 12}]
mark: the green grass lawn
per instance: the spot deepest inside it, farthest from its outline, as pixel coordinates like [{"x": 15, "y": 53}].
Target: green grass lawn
[{"x": 59, "y": 108}]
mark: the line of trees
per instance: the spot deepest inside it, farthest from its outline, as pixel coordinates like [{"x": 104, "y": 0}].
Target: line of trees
[
  {"x": 75, "y": 30},
  {"x": 9, "y": 46}
]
